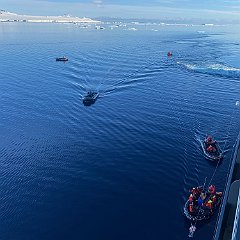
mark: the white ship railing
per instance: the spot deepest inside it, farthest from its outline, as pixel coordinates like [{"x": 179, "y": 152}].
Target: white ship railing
[
  {"x": 236, "y": 229},
  {"x": 227, "y": 188}
]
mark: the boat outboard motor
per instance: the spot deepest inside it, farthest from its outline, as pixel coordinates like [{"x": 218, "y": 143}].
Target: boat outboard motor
[{"x": 192, "y": 230}]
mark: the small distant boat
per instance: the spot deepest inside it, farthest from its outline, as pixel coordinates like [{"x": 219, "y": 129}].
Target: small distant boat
[
  {"x": 99, "y": 28},
  {"x": 211, "y": 149},
  {"x": 62, "y": 59},
  {"x": 90, "y": 98}
]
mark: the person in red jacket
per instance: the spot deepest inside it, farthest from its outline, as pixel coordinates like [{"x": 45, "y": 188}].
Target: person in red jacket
[
  {"x": 209, "y": 140},
  {"x": 211, "y": 149},
  {"x": 190, "y": 198},
  {"x": 191, "y": 210},
  {"x": 211, "y": 189}
]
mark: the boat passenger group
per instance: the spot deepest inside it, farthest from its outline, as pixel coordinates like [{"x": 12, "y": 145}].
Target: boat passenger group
[
  {"x": 210, "y": 144},
  {"x": 207, "y": 200},
  {"x": 202, "y": 202},
  {"x": 211, "y": 149}
]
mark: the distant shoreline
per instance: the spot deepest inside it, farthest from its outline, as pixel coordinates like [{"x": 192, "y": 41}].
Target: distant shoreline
[{"x": 13, "y": 17}]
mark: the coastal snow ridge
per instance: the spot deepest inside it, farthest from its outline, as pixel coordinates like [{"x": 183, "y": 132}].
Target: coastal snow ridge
[{"x": 13, "y": 17}]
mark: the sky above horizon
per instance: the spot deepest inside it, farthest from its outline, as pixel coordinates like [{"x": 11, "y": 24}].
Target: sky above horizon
[{"x": 220, "y": 10}]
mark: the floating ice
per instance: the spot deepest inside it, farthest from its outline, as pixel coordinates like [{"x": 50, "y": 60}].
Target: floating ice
[
  {"x": 201, "y": 31},
  {"x": 132, "y": 29}
]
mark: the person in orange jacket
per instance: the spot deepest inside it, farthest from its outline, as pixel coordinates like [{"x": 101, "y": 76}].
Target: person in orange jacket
[{"x": 209, "y": 204}]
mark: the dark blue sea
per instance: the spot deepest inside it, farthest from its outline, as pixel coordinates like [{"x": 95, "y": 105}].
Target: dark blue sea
[{"x": 120, "y": 169}]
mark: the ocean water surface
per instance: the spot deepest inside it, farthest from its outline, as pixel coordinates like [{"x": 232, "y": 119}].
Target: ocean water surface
[{"x": 121, "y": 168}]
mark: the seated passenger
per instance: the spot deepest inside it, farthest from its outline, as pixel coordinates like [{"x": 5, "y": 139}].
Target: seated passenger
[
  {"x": 200, "y": 202},
  {"x": 211, "y": 189},
  {"x": 190, "y": 198},
  {"x": 211, "y": 149},
  {"x": 191, "y": 209},
  {"x": 210, "y": 140},
  {"x": 214, "y": 200},
  {"x": 199, "y": 190},
  {"x": 193, "y": 191},
  {"x": 218, "y": 194},
  {"x": 208, "y": 204},
  {"x": 203, "y": 196}
]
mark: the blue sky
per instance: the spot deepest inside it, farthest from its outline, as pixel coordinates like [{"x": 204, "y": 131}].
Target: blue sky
[{"x": 223, "y": 10}]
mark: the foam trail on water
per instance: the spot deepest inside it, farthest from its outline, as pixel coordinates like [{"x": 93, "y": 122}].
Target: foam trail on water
[{"x": 213, "y": 69}]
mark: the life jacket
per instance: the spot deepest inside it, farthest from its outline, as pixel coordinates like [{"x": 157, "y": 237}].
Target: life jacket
[
  {"x": 214, "y": 199},
  {"x": 211, "y": 189},
  {"x": 209, "y": 204},
  {"x": 209, "y": 139},
  {"x": 198, "y": 190},
  {"x": 193, "y": 191},
  {"x": 190, "y": 208},
  {"x": 210, "y": 148},
  {"x": 190, "y": 198}
]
